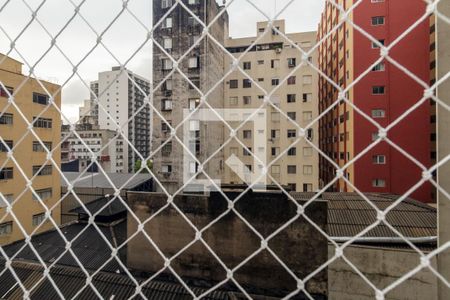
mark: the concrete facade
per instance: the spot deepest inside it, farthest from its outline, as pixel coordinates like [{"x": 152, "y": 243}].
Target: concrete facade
[
  {"x": 106, "y": 144},
  {"x": 300, "y": 246},
  {"x": 443, "y": 92},
  {"x": 122, "y": 99},
  {"x": 382, "y": 267},
  {"x": 344, "y": 133},
  {"x": 268, "y": 63},
  {"x": 29, "y": 153},
  {"x": 203, "y": 65}
]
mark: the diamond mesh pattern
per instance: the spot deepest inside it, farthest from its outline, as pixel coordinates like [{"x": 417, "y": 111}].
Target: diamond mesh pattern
[{"x": 429, "y": 93}]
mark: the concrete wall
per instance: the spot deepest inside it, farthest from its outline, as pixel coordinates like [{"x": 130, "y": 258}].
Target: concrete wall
[
  {"x": 443, "y": 67},
  {"x": 300, "y": 246},
  {"x": 382, "y": 266}
]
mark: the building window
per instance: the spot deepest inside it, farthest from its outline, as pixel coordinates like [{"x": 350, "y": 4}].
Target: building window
[
  {"x": 292, "y": 62},
  {"x": 46, "y": 170},
  {"x": 292, "y": 169},
  {"x": 168, "y": 23},
  {"x": 307, "y": 115},
  {"x": 42, "y": 123},
  {"x": 291, "y": 98},
  {"x": 6, "y": 173},
  {"x": 4, "y": 148},
  {"x": 3, "y": 92},
  {"x": 233, "y": 101},
  {"x": 6, "y": 228},
  {"x": 9, "y": 199},
  {"x": 291, "y": 133},
  {"x": 44, "y": 194},
  {"x": 166, "y": 3},
  {"x": 247, "y": 134},
  {"x": 307, "y": 151},
  {"x": 307, "y": 97},
  {"x": 292, "y": 151},
  {"x": 275, "y": 63},
  {"x": 292, "y": 115},
  {"x": 166, "y": 169},
  {"x": 6, "y": 119},
  {"x": 166, "y": 104},
  {"x": 275, "y": 81},
  {"x": 195, "y": 82},
  {"x": 375, "y": 45},
  {"x": 307, "y": 170},
  {"x": 247, "y": 151},
  {"x": 247, "y": 83},
  {"x": 247, "y": 65},
  {"x": 247, "y": 100},
  {"x": 260, "y": 62},
  {"x": 291, "y": 80},
  {"x": 378, "y": 90},
  {"x": 167, "y": 43},
  {"x": 37, "y": 147},
  {"x": 275, "y": 170},
  {"x": 40, "y": 98},
  {"x": 292, "y": 187},
  {"x": 379, "y": 67},
  {"x": 234, "y": 84},
  {"x": 193, "y": 63},
  {"x": 378, "y": 113},
  {"x": 307, "y": 187},
  {"x": 275, "y": 151},
  {"x": 167, "y": 64},
  {"x": 376, "y": 21},
  {"x": 193, "y": 103},
  {"x": 380, "y": 183},
  {"x": 379, "y": 159},
  {"x": 193, "y": 2},
  {"x": 275, "y": 133},
  {"x": 38, "y": 219},
  {"x": 307, "y": 79}
]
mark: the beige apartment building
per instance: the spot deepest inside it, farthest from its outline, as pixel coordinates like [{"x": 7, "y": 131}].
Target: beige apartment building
[
  {"x": 269, "y": 62},
  {"x": 28, "y": 152}
]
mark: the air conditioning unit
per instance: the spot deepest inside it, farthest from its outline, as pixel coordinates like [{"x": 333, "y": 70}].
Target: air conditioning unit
[
  {"x": 278, "y": 50},
  {"x": 168, "y": 93}
]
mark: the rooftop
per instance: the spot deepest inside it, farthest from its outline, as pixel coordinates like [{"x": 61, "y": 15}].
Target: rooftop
[{"x": 124, "y": 181}]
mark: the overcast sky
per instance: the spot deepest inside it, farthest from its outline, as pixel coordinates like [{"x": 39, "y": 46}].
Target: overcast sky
[{"x": 122, "y": 39}]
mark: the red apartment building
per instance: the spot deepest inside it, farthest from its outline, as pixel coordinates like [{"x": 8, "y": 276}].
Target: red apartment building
[{"x": 384, "y": 94}]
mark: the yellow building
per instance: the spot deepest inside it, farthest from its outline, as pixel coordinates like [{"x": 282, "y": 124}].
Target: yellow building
[
  {"x": 272, "y": 60},
  {"x": 29, "y": 154}
]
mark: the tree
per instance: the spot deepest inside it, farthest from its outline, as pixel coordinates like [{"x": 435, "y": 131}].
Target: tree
[{"x": 138, "y": 166}]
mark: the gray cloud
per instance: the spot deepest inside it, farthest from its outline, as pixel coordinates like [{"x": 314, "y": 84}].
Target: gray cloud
[{"x": 122, "y": 39}]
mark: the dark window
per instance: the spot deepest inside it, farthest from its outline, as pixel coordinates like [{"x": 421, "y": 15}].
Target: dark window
[
  {"x": 42, "y": 122},
  {"x": 46, "y": 170},
  {"x": 377, "y": 21},
  {"x": 292, "y": 151},
  {"x": 291, "y": 80},
  {"x": 291, "y": 62},
  {"x": 3, "y": 148},
  {"x": 246, "y": 83},
  {"x": 234, "y": 84},
  {"x": 247, "y": 152},
  {"x": 37, "y": 147},
  {"x": 40, "y": 98},
  {"x": 291, "y": 133},
  {"x": 6, "y": 173},
  {"x": 6, "y": 119},
  {"x": 3, "y": 92},
  {"x": 378, "y": 90},
  {"x": 292, "y": 169},
  {"x": 247, "y": 65},
  {"x": 291, "y": 98},
  {"x": 292, "y": 115}
]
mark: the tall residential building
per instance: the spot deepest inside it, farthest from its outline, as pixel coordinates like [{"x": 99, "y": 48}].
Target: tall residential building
[
  {"x": 384, "y": 94},
  {"x": 28, "y": 151},
  {"x": 269, "y": 63},
  {"x": 107, "y": 144},
  {"x": 203, "y": 65},
  {"x": 124, "y": 101}
]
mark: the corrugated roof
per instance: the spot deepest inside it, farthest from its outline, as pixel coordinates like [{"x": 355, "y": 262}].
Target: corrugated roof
[
  {"x": 90, "y": 248},
  {"x": 113, "y": 207},
  {"x": 71, "y": 280},
  {"x": 99, "y": 180},
  {"x": 349, "y": 214}
]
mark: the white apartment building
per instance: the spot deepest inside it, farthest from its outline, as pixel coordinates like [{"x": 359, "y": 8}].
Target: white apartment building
[
  {"x": 268, "y": 63},
  {"x": 122, "y": 95},
  {"x": 103, "y": 142}
]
